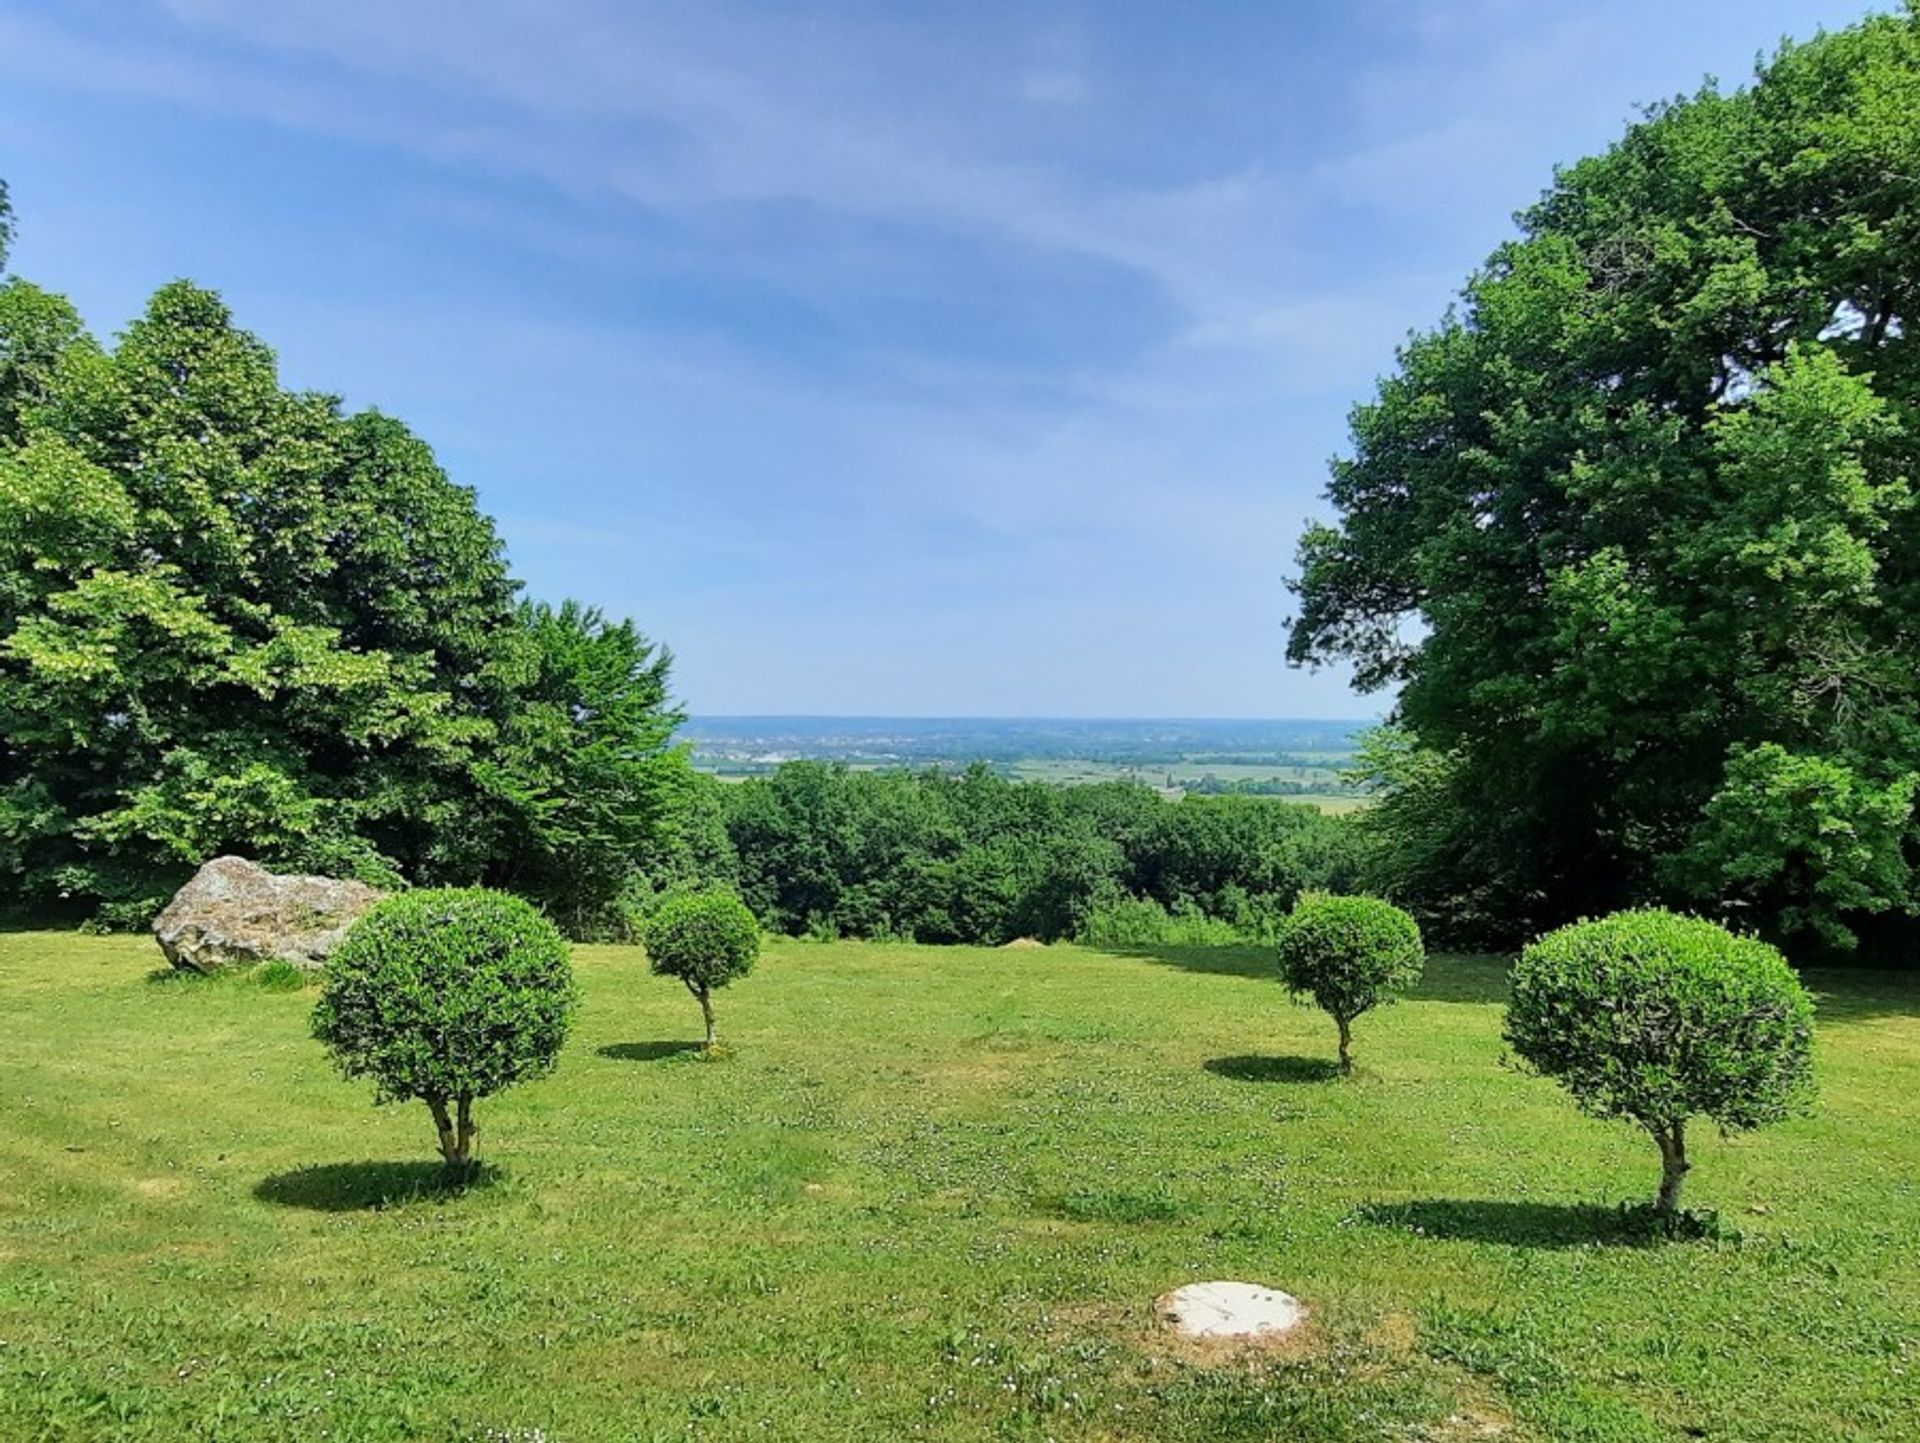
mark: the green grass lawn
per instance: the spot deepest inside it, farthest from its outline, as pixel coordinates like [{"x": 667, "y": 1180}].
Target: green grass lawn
[{"x": 931, "y": 1193}]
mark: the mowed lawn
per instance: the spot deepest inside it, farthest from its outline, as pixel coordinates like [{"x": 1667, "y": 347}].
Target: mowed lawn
[{"x": 932, "y": 1193}]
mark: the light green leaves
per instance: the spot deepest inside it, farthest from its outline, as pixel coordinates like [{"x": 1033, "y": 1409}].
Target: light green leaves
[{"x": 232, "y": 619}]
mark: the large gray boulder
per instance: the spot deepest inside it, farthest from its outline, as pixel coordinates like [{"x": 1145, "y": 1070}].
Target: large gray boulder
[{"x": 235, "y": 913}]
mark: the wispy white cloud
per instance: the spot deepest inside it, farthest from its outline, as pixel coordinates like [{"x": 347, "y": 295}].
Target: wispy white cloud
[{"x": 675, "y": 119}]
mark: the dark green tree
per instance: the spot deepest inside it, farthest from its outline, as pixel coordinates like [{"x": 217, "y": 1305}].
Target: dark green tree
[
  {"x": 36, "y": 330},
  {"x": 974, "y": 857},
  {"x": 582, "y": 778},
  {"x": 1633, "y": 530}
]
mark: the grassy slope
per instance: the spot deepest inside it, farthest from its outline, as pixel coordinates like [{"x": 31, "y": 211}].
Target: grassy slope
[{"x": 932, "y": 1194}]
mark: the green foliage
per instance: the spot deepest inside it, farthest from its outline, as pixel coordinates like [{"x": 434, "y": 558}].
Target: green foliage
[
  {"x": 235, "y": 619},
  {"x": 1350, "y": 955},
  {"x": 693, "y": 847},
  {"x": 973, "y": 857},
  {"x": 279, "y": 976},
  {"x": 447, "y": 995},
  {"x": 1416, "y": 846},
  {"x": 1655, "y": 1018},
  {"x": 1143, "y": 922},
  {"x": 1803, "y": 839},
  {"x": 707, "y": 939},
  {"x": 582, "y": 780},
  {"x": 37, "y": 329},
  {"x": 6, "y": 225},
  {"x": 1630, "y": 529},
  {"x": 128, "y": 914}
]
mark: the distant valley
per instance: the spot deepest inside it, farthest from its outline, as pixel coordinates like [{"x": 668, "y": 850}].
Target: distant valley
[{"x": 1300, "y": 759}]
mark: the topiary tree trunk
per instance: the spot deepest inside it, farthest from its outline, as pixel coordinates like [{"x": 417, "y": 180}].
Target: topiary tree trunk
[
  {"x": 1346, "y": 1044},
  {"x": 456, "y": 1130},
  {"x": 443, "y": 1126},
  {"x": 1672, "y": 1138},
  {"x": 706, "y": 1010}
]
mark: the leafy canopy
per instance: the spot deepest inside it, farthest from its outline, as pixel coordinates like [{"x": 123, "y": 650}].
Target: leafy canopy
[
  {"x": 582, "y": 780},
  {"x": 1633, "y": 529},
  {"x": 235, "y": 619},
  {"x": 1349, "y": 954},
  {"x": 446, "y": 994},
  {"x": 706, "y": 938},
  {"x": 1653, "y": 1017},
  {"x": 975, "y": 857}
]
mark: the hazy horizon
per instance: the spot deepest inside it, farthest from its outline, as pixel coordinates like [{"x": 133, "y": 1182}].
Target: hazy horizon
[{"x": 697, "y": 716}]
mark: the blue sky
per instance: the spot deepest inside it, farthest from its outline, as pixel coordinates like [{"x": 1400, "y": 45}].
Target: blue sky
[{"x": 939, "y": 359}]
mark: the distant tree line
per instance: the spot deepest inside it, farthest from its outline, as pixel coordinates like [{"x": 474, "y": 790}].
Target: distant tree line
[
  {"x": 1212, "y": 786},
  {"x": 936, "y": 856}
]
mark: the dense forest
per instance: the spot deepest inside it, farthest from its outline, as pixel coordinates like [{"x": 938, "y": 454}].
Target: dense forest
[{"x": 933, "y": 856}]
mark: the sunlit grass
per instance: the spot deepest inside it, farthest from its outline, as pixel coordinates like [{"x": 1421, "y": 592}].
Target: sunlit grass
[{"x": 927, "y": 1193}]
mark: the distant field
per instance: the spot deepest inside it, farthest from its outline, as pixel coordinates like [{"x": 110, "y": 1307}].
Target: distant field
[
  {"x": 1327, "y": 789},
  {"x": 1323, "y": 785},
  {"x": 1186, "y": 771},
  {"x": 1177, "y": 770},
  {"x": 1176, "y": 753},
  {"x": 1269, "y": 757},
  {"x": 1338, "y": 806},
  {"x": 931, "y": 1195}
]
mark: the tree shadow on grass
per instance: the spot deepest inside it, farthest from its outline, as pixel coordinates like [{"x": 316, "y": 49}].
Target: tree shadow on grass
[
  {"x": 1456, "y": 977},
  {"x": 346, "y": 1187},
  {"x": 167, "y": 975},
  {"x": 1235, "y": 960},
  {"x": 1449, "y": 977},
  {"x": 647, "y": 1051},
  {"x": 1862, "y": 994},
  {"x": 1254, "y": 1068},
  {"x": 1535, "y": 1224}
]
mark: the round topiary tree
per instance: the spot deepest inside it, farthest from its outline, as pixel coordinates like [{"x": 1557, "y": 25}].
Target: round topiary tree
[
  {"x": 1653, "y": 1018},
  {"x": 706, "y": 939},
  {"x": 1350, "y": 955},
  {"x": 447, "y": 996}
]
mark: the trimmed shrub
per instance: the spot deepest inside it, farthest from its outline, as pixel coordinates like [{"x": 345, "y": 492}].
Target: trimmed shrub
[
  {"x": 1350, "y": 955},
  {"x": 705, "y": 938},
  {"x": 447, "y": 995},
  {"x": 1653, "y": 1018}
]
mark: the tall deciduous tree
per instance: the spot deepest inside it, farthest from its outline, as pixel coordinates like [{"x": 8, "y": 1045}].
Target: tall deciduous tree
[
  {"x": 233, "y": 618},
  {"x": 1634, "y": 528}
]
